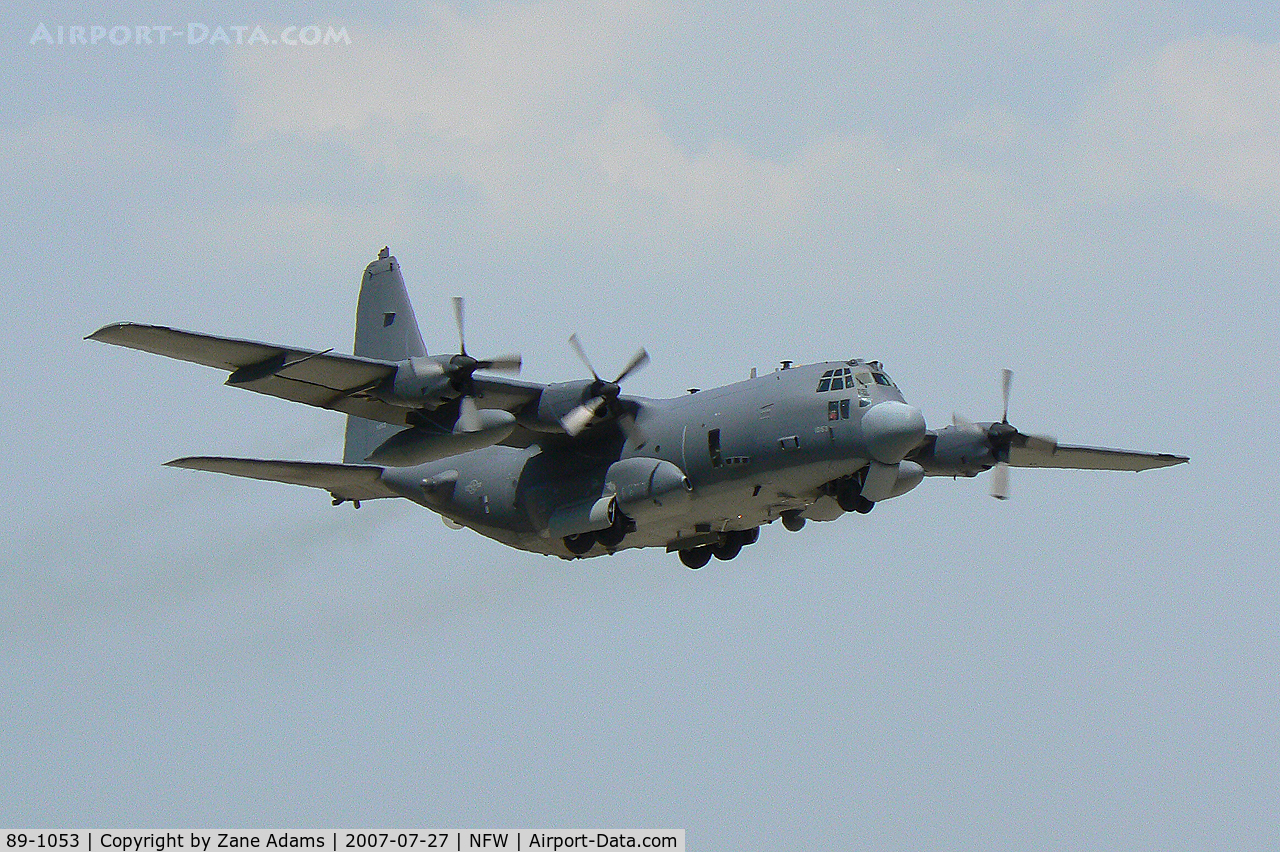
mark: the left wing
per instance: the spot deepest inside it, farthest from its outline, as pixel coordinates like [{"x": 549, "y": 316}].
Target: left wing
[
  {"x": 967, "y": 449},
  {"x": 1089, "y": 458}
]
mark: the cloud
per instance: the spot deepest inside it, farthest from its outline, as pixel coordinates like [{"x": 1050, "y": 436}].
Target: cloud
[
  {"x": 537, "y": 110},
  {"x": 1198, "y": 116}
]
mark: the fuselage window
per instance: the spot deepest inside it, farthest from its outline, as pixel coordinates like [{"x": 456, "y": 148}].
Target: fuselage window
[
  {"x": 844, "y": 409},
  {"x": 833, "y": 410}
]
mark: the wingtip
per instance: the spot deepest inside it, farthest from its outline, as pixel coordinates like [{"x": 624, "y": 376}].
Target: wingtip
[
  {"x": 101, "y": 333},
  {"x": 1167, "y": 460},
  {"x": 108, "y": 332}
]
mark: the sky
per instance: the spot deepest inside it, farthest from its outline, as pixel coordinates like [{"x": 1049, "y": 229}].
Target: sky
[{"x": 1088, "y": 194}]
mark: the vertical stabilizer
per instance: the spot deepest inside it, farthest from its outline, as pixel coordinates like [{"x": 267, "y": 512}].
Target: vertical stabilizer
[{"x": 386, "y": 329}]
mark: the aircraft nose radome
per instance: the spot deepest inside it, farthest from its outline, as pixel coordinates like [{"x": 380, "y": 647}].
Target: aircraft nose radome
[{"x": 892, "y": 429}]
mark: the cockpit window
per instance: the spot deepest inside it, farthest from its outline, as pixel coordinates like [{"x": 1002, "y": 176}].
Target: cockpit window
[
  {"x": 835, "y": 380},
  {"x": 882, "y": 379}
]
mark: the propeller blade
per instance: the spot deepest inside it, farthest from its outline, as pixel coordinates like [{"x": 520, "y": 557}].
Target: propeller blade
[
  {"x": 577, "y": 347},
  {"x": 1000, "y": 481},
  {"x": 606, "y": 396},
  {"x": 575, "y": 421},
  {"x": 468, "y": 415},
  {"x": 1006, "y": 384},
  {"x": 637, "y": 361},
  {"x": 458, "y": 311},
  {"x": 502, "y": 364}
]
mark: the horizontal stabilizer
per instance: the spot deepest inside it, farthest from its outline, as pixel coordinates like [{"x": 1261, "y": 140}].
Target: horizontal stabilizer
[
  {"x": 1089, "y": 458},
  {"x": 343, "y": 481}
]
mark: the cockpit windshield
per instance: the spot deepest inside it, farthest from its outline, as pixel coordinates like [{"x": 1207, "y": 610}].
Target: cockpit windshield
[
  {"x": 836, "y": 380},
  {"x": 844, "y": 378}
]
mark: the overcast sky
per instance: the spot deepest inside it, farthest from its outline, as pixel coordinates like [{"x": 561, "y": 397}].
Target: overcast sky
[{"x": 1088, "y": 194}]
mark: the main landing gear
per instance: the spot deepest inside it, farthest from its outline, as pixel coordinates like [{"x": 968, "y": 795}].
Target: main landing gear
[
  {"x": 729, "y": 546},
  {"x": 609, "y": 537},
  {"x": 850, "y": 499}
]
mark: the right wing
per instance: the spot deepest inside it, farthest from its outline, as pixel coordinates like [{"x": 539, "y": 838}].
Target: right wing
[
  {"x": 323, "y": 379},
  {"x": 345, "y": 383},
  {"x": 343, "y": 481}
]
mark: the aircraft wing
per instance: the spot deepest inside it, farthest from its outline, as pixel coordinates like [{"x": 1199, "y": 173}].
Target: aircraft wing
[
  {"x": 343, "y": 481},
  {"x": 1089, "y": 458},
  {"x": 323, "y": 379}
]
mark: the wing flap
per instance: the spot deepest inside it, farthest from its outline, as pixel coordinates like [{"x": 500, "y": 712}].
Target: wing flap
[
  {"x": 1090, "y": 458},
  {"x": 343, "y": 481}
]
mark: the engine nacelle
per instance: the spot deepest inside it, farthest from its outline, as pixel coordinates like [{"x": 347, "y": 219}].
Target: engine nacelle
[
  {"x": 644, "y": 485},
  {"x": 555, "y": 401},
  {"x": 417, "y": 382},
  {"x": 423, "y": 444},
  {"x": 960, "y": 452}
]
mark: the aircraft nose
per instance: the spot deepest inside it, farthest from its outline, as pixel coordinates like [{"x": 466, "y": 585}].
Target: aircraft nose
[{"x": 892, "y": 429}]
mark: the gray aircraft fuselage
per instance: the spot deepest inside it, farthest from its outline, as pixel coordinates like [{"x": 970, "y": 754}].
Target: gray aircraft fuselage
[{"x": 751, "y": 451}]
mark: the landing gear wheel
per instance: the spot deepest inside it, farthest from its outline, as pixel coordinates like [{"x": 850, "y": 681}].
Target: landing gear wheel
[
  {"x": 792, "y": 521},
  {"x": 581, "y": 543},
  {"x": 863, "y": 505},
  {"x": 728, "y": 547},
  {"x": 696, "y": 557},
  {"x": 848, "y": 498},
  {"x": 751, "y": 536},
  {"x": 612, "y": 536}
]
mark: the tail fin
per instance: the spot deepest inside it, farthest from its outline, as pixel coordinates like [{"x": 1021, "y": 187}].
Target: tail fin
[{"x": 386, "y": 329}]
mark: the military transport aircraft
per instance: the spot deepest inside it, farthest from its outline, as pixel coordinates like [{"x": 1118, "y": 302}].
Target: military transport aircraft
[{"x": 577, "y": 468}]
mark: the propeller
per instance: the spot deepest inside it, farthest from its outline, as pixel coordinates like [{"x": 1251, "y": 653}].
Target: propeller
[
  {"x": 1001, "y": 437},
  {"x": 464, "y": 363},
  {"x": 605, "y": 396},
  {"x": 461, "y": 367}
]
